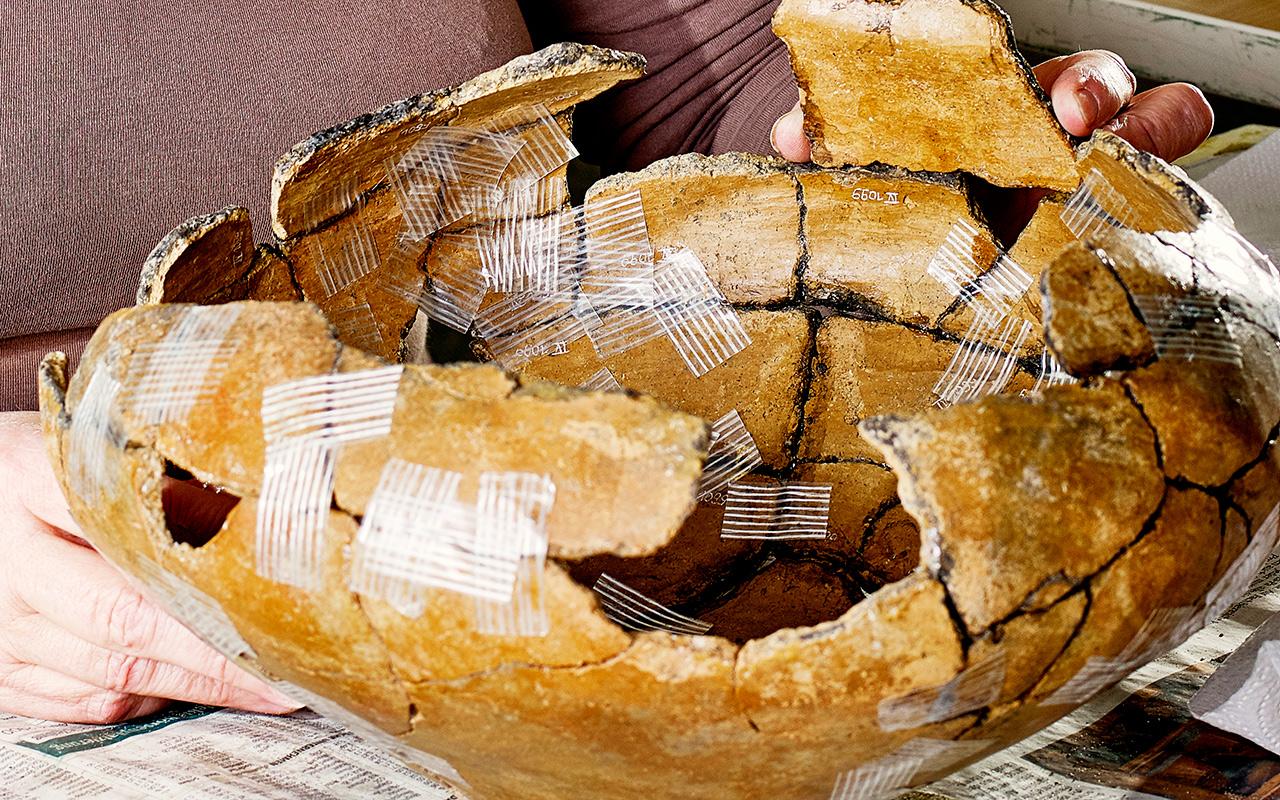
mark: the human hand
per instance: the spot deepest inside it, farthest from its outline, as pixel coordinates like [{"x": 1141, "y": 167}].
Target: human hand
[
  {"x": 77, "y": 642},
  {"x": 1089, "y": 90}
]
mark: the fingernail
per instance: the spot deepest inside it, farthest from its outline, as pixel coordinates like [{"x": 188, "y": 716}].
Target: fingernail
[
  {"x": 1088, "y": 106},
  {"x": 276, "y": 708},
  {"x": 773, "y": 135}
]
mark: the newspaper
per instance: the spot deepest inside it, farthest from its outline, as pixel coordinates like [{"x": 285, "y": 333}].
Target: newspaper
[
  {"x": 1135, "y": 742},
  {"x": 1139, "y": 740},
  {"x": 193, "y": 752}
]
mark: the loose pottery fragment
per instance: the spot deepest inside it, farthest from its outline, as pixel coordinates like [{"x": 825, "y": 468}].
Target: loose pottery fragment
[{"x": 927, "y": 85}]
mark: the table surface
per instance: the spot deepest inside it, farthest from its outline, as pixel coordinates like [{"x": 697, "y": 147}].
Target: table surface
[{"x": 1258, "y": 13}]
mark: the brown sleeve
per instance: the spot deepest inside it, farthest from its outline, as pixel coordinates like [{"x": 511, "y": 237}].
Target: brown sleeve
[
  {"x": 717, "y": 78},
  {"x": 20, "y": 360},
  {"x": 119, "y": 120}
]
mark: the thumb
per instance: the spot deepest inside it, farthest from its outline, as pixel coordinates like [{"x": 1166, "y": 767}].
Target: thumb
[
  {"x": 787, "y": 136},
  {"x": 27, "y": 474}
]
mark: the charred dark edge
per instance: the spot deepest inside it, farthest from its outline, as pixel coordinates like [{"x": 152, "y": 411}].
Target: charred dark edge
[
  {"x": 829, "y": 460},
  {"x": 883, "y": 171},
  {"x": 802, "y": 239},
  {"x": 1085, "y": 586},
  {"x": 192, "y": 230},
  {"x": 794, "y": 441}
]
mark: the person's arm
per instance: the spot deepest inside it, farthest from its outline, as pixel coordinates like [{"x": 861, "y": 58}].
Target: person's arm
[
  {"x": 77, "y": 642},
  {"x": 1090, "y": 90}
]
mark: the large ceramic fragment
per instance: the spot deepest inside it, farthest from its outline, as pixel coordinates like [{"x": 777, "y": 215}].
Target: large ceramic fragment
[
  {"x": 269, "y": 345},
  {"x": 843, "y": 660},
  {"x": 353, "y": 155},
  {"x": 741, "y": 212},
  {"x": 871, "y": 236},
  {"x": 1206, "y": 426},
  {"x": 635, "y": 706},
  {"x": 1129, "y": 617},
  {"x": 199, "y": 259},
  {"x": 863, "y": 369},
  {"x": 1195, "y": 354},
  {"x": 927, "y": 85},
  {"x": 763, "y": 382},
  {"x": 609, "y": 448},
  {"x": 1075, "y": 478}
]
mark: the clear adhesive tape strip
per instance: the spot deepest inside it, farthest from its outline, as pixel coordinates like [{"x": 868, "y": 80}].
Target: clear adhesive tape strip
[
  {"x": 677, "y": 299},
  {"x": 546, "y": 146},
  {"x": 523, "y": 327},
  {"x": 517, "y": 503},
  {"x": 416, "y": 534},
  {"x": 789, "y": 511},
  {"x": 526, "y": 614},
  {"x": 973, "y": 689},
  {"x": 345, "y": 253},
  {"x": 166, "y": 379},
  {"x": 985, "y": 361},
  {"x": 1162, "y": 630},
  {"x": 332, "y": 408},
  {"x": 303, "y": 421},
  {"x": 293, "y": 512},
  {"x": 446, "y": 174},
  {"x": 94, "y": 431},
  {"x": 197, "y": 610},
  {"x": 731, "y": 454},
  {"x": 614, "y": 235},
  {"x": 602, "y": 381},
  {"x": 455, "y": 290},
  {"x": 357, "y": 327},
  {"x": 1235, "y": 580},
  {"x": 335, "y": 202},
  {"x": 995, "y": 286},
  {"x": 414, "y": 511},
  {"x": 1095, "y": 207},
  {"x": 616, "y": 330},
  {"x": 886, "y": 777},
  {"x": 632, "y": 610},
  {"x": 1051, "y": 374},
  {"x": 521, "y": 254},
  {"x": 954, "y": 265},
  {"x": 704, "y": 328},
  {"x": 1190, "y": 328}
]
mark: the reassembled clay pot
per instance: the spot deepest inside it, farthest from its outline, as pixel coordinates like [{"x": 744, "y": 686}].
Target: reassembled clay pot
[{"x": 998, "y": 549}]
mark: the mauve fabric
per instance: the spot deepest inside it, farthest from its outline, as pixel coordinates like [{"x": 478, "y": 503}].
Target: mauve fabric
[
  {"x": 717, "y": 78},
  {"x": 119, "y": 120}
]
